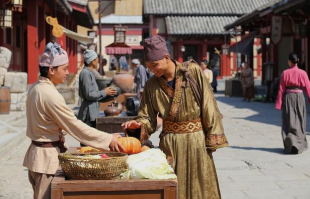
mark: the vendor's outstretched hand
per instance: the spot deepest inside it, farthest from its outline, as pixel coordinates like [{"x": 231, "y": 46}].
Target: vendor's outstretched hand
[
  {"x": 115, "y": 145},
  {"x": 132, "y": 124}
]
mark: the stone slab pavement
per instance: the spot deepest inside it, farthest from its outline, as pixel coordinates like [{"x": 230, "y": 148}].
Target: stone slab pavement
[{"x": 252, "y": 167}]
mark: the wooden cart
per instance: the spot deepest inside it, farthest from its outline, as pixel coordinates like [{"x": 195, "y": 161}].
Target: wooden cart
[{"x": 112, "y": 189}]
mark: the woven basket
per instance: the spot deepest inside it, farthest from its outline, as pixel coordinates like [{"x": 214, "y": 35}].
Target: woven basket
[{"x": 80, "y": 167}]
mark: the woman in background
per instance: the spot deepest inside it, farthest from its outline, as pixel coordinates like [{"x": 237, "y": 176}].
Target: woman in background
[
  {"x": 206, "y": 70},
  {"x": 247, "y": 81},
  {"x": 291, "y": 101}
]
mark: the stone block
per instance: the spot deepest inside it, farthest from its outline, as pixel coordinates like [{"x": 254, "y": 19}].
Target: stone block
[
  {"x": 68, "y": 94},
  {"x": 18, "y": 97},
  {"x": 21, "y": 106},
  {"x": 1, "y": 80},
  {"x": 3, "y": 71},
  {"x": 16, "y": 81},
  {"x": 5, "y": 57}
]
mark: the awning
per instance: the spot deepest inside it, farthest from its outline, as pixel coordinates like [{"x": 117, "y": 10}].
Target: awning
[
  {"x": 118, "y": 49},
  {"x": 245, "y": 46},
  {"x": 80, "y": 38},
  {"x": 81, "y": 13}
]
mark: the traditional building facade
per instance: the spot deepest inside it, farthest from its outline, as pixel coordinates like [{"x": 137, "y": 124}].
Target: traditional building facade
[
  {"x": 283, "y": 27},
  {"x": 195, "y": 29},
  {"x": 127, "y": 13},
  {"x": 30, "y": 33}
]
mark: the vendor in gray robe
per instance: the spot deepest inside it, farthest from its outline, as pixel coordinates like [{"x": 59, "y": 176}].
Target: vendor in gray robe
[
  {"x": 89, "y": 92},
  {"x": 140, "y": 76}
]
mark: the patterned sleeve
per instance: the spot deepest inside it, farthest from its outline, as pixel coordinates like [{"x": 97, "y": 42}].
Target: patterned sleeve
[
  {"x": 147, "y": 115},
  {"x": 210, "y": 115}
]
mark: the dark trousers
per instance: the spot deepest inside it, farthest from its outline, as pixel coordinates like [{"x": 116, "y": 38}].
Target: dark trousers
[{"x": 248, "y": 92}]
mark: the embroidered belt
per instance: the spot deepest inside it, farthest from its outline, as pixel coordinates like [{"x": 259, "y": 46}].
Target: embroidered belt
[{"x": 182, "y": 127}]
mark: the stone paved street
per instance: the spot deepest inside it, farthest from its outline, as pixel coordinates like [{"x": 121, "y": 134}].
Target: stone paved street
[{"x": 252, "y": 167}]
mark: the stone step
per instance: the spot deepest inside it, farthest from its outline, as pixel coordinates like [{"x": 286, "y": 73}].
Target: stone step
[
  {"x": 12, "y": 133},
  {"x": 19, "y": 122},
  {"x": 14, "y": 115},
  {"x": 9, "y": 142},
  {"x": 3, "y": 130}
]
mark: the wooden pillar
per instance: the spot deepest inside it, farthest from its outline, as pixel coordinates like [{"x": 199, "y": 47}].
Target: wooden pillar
[
  {"x": 258, "y": 61},
  {"x": 70, "y": 47},
  {"x": 153, "y": 25},
  {"x": 225, "y": 61},
  {"x": 180, "y": 53},
  {"x": 2, "y": 36},
  {"x": 32, "y": 42},
  {"x": 42, "y": 28},
  {"x": 62, "y": 19},
  {"x": 275, "y": 60},
  {"x": 72, "y": 56},
  {"x": 264, "y": 55},
  {"x": 204, "y": 49},
  {"x": 75, "y": 66}
]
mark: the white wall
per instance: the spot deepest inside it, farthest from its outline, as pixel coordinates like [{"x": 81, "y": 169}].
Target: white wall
[
  {"x": 160, "y": 26},
  {"x": 106, "y": 40}
]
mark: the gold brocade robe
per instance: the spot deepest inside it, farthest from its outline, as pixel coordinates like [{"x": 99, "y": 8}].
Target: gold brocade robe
[{"x": 195, "y": 169}]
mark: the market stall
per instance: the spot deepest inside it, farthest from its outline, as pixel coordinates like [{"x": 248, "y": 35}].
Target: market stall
[
  {"x": 112, "y": 189},
  {"x": 95, "y": 174}
]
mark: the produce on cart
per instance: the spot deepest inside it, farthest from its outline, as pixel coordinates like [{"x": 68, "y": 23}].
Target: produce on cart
[
  {"x": 93, "y": 166},
  {"x": 114, "y": 175},
  {"x": 136, "y": 162},
  {"x": 150, "y": 164}
]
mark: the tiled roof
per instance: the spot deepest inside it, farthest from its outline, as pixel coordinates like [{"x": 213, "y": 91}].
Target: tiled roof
[
  {"x": 201, "y": 7},
  {"x": 120, "y": 19},
  {"x": 197, "y": 25},
  {"x": 262, "y": 11}
]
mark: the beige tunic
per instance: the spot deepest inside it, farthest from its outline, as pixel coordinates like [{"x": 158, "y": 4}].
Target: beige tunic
[{"x": 48, "y": 115}]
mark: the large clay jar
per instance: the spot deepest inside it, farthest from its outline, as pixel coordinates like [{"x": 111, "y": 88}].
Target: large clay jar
[
  {"x": 112, "y": 110},
  {"x": 124, "y": 81}
]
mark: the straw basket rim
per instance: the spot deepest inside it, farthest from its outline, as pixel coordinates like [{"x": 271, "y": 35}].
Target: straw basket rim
[{"x": 75, "y": 166}]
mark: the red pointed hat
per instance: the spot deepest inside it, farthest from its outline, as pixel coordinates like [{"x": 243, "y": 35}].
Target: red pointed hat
[{"x": 155, "y": 48}]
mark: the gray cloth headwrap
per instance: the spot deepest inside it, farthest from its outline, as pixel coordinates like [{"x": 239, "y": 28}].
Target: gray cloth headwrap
[
  {"x": 53, "y": 55},
  {"x": 89, "y": 56}
]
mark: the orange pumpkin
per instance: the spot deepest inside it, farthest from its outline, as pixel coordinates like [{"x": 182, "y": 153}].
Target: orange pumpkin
[
  {"x": 132, "y": 145},
  {"x": 144, "y": 148}
]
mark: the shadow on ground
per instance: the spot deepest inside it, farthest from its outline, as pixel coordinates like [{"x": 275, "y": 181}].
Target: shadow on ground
[
  {"x": 265, "y": 112},
  {"x": 270, "y": 150}
]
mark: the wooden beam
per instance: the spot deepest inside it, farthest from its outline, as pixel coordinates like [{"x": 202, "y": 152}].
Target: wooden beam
[{"x": 264, "y": 30}]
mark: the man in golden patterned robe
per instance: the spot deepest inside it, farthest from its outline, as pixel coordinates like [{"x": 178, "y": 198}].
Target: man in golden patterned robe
[{"x": 190, "y": 132}]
